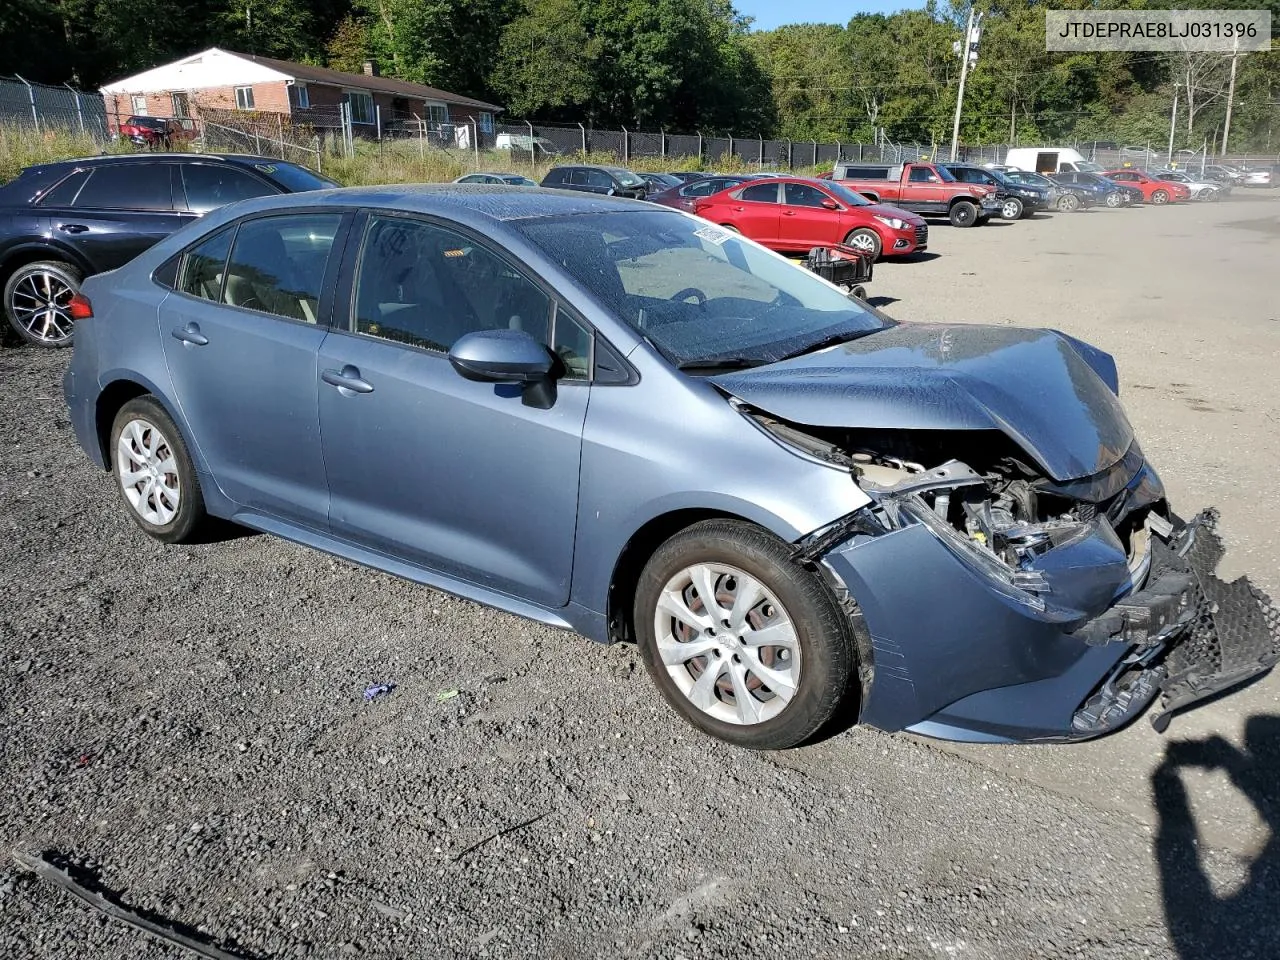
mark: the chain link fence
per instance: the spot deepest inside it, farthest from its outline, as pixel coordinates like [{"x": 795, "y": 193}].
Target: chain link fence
[
  {"x": 307, "y": 135},
  {"x": 44, "y": 108}
]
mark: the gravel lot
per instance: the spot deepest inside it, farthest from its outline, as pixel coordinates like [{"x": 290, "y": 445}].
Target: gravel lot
[{"x": 186, "y": 724}]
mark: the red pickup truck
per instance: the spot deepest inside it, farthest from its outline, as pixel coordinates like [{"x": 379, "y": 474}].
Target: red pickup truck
[{"x": 921, "y": 188}]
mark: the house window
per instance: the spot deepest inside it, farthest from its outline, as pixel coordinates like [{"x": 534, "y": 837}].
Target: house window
[
  {"x": 361, "y": 106},
  {"x": 138, "y": 104},
  {"x": 180, "y": 104},
  {"x": 299, "y": 97},
  {"x": 486, "y": 123},
  {"x": 437, "y": 115},
  {"x": 244, "y": 98}
]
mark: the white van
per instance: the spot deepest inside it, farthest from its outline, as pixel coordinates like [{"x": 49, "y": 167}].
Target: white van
[{"x": 1049, "y": 160}]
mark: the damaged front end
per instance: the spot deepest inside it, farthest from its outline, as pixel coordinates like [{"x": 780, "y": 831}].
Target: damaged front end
[{"x": 1001, "y": 604}]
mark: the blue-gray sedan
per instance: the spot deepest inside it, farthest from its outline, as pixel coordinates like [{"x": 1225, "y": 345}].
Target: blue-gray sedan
[{"x": 618, "y": 419}]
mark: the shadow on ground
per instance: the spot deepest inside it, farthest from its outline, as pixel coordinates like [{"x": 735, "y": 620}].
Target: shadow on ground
[{"x": 1202, "y": 924}]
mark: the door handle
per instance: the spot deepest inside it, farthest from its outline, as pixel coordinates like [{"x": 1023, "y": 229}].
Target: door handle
[
  {"x": 739, "y": 209},
  {"x": 73, "y": 228},
  {"x": 348, "y": 378},
  {"x": 788, "y": 213},
  {"x": 190, "y": 334}
]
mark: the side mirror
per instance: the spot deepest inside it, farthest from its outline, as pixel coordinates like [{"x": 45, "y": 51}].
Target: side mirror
[
  {"x": 507, "y": 356},
  {"x": 831, "y": 204}
]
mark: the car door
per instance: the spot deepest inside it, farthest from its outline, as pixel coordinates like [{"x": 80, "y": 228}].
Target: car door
[
  {"x": 803, "y": 220},
  {"x": 449, "y": 474},
  {"x": 241, "y": 335},
  {"x": 927, "y": 191},
  {"x": 754, "y": 210},
  {"x": 118, "y": 210}
]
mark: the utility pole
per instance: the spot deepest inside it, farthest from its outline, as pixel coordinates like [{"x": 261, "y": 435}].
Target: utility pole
[
  {"x": 968, "y": 50},
  {"x": 1173, "y": 119},
  {"x": 1231, "y": 96}
]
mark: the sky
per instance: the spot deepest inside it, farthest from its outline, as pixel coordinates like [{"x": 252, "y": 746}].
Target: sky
[{"x": 774, "y": 13}]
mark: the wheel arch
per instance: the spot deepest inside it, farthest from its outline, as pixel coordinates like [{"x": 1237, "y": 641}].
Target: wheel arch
[
  {"x": 119, "y": 391},
  {"x": 22, "y": 254},
  {"x": 635, "y": 554}
]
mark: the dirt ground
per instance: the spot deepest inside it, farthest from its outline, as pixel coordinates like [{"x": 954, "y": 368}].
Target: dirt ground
[{"x": 187, "y": 724}]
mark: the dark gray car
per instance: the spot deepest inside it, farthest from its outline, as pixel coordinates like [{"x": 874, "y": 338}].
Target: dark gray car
[{"x": 606, "y": 181}]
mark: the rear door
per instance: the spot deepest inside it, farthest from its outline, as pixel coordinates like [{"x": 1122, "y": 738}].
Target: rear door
[
  {"x": 115, "y": 211},
  {"x": 755, "y": 211},
  {"x": 803, "y": 220},
  {"x": 241, "y": 335}
]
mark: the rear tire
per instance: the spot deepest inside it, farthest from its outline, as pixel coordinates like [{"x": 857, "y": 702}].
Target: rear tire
[
  {"x": 36, "y": 298},
  {"x": 963, "y": 214},
  {"x": 712, "y": 661},
  {"x": 866, "y": 240},
  {"x": 154, "y": 474}
]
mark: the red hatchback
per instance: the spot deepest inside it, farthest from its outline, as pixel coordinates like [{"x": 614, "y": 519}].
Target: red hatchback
[
  {"x": 1153, "y": 191},
  {"x": 795, "y": 214}
]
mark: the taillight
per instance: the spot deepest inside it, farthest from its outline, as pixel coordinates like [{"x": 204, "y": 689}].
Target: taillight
[{"x": 79, "y": 307}]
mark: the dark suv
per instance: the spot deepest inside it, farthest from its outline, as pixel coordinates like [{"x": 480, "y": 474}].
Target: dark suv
[
  {"x": 61, "y": 222},
  {"x": 613, "y": 181},
  {"x": 1016, "y": 200}
]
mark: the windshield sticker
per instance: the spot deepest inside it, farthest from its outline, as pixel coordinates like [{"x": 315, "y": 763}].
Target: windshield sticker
[
  {"x": 712, "y": 235},
  {"x": 265, "y": 167}
]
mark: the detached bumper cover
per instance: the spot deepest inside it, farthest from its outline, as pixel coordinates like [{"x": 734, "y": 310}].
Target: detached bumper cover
[{"x": 952, "y": 658}]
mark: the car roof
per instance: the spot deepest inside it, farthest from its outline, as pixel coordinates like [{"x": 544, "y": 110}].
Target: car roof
[
  {"x": 484, "y": 201},
  {"x": 108, "y": 158}
]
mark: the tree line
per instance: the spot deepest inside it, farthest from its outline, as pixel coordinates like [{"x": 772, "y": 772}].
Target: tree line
[{"x": 689, "y": 65}]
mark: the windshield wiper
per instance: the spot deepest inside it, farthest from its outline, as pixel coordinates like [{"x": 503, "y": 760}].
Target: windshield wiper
[
  {"x": 833, "y": 340},
  {"x": 719, "y": 363}
]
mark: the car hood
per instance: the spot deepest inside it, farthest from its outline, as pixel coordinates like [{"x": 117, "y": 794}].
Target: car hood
[
  {"x": 1042, "y": 389},
  {"x": 887, "y": 210}
]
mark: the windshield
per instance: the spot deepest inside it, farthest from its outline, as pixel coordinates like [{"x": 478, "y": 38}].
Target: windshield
[
  {"x": 696, "y": 291},
  {"x": 945, "y": 175},
  {"x": 1034, "y": 179},
  {"x": 843, "y": 193},
  {"x": 1088, "y": 166},
  {"x": 294, "y": 178},
  {"x": 626, "y": 177}
]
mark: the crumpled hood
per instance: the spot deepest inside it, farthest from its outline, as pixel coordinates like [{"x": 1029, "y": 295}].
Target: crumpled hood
[{"x": 1036, "y": 386}]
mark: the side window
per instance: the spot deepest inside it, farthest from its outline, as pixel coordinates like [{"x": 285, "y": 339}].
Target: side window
[
  {"x": 210, "y": 186},
  {"x": 557, "y": 176},
  {"x": 277, "y": 264},
  {"x": 572, "y": 344},
  {"x": 920, "y": 175},
  {"x": 64, "y": 194},
  {"x": 579, "y": 178},
  {"x": 803, "y": 195},
  {"x": 761, "y": 193},
  {"x": 127, "y": 186},
  {"x": 204, "y": 265},
  {"x": 427, "y": 286},
  {"x": 699, "y": 188}
]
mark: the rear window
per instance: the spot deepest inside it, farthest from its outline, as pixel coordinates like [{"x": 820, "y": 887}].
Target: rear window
[
  {"x": 559, "y": 175},
  {"x": 64, "y": 194},
  {"x": 127, "y": 186},
  {"x": 865, "y": 173},
  {"x": 293, "y": 178}
]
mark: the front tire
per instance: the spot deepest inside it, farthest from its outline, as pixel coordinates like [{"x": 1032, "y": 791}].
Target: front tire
[
  {"x": 745, "y": 644},
  {"x": 154, "y": 474},
  {"x": 1068, "y": 202},
  {"x": 866, "y": 240},
  {"x": 37, "y": 298},
  {"x": 1011, "y": 209},
  {"x": 1160, "y": 197},
  {"x": 1114, "y": 200},
  {"x": 963, "y": 214}
]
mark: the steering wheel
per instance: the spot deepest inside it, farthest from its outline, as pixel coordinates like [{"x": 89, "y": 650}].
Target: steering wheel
[{"x": 688, "y": 292}]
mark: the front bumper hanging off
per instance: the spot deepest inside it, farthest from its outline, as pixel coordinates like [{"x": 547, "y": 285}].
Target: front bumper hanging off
[{"x": 1232, "y": 634}]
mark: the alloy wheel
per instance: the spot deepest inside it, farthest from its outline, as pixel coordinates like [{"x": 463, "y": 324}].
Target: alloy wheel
[
  {"x": 40, "y": 304},
  {"x": 148, "y": 472},
  {"x": 727, "y": 643},
  {"x": 1114, "y": 199},
  {"x": 1159, "y": 197}
]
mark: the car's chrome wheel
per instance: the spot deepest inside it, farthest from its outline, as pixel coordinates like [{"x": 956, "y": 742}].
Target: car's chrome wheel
[
  {"x": 727, "y": 643},
  {"x": 38, "y": 302},
  {"x": 1159, "y": 197},
  {"x": 148, "y": 472},
  {"x": 1114, "y": 199}
]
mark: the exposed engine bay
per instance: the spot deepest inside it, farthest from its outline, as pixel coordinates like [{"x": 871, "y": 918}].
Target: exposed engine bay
[{"x": 1103, "y": 556}]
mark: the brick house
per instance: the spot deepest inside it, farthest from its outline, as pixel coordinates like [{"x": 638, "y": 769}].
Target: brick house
[{"x": 225, "y": 80}]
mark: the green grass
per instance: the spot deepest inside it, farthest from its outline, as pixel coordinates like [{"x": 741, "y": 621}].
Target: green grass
[{"x": 393, "y": 161}]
